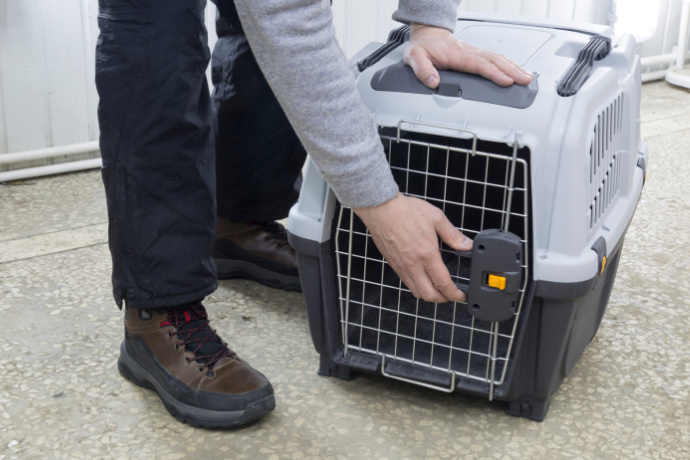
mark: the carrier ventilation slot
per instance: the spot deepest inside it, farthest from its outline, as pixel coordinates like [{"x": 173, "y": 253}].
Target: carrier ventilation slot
[
  {"x": 637, "y": 74},
  {"x": 380, "y": 316},
  {"x": 604, "y": 159}
]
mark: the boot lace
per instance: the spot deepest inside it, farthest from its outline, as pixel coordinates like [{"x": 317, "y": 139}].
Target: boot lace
[
  {"x": 192, "y": 329},
  {"x": 276, "y": 231}
]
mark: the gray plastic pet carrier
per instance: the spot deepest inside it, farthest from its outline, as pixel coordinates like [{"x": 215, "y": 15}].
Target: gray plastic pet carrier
[{"x": 545, "y": 178}]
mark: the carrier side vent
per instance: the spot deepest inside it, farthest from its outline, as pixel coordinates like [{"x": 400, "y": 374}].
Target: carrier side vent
[
  {"x": 637, "y": 73},
  {"x": 604, "y": 159}
]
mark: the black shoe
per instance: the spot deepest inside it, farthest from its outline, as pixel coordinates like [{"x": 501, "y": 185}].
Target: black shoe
[
  {"x": 257, "y": 251},
  {"x": 201, "y": 382}
]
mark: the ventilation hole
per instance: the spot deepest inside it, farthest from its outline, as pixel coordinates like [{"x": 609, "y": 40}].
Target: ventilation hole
[{"x": 604, "y": 167}]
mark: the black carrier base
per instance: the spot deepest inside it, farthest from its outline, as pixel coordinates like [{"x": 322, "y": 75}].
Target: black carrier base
[{"x": 559, "y": 322}]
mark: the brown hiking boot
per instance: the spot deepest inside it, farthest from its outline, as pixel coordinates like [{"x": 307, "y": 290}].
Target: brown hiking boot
[
  {"x": 257, "y": 251},
  {"x": 201, "y": 382}
]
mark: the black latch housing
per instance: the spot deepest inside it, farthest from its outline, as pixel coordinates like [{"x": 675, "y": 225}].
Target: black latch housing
[{"x": 496, "y": 275}]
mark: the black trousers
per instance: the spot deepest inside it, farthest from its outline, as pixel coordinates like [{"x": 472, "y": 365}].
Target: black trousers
[{"x": 169, "y": 162}]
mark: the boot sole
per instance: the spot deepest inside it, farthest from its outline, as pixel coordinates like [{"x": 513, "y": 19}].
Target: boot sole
[
  {"x": 194, "y": 416},
  {"x": 228, "y": 269}
]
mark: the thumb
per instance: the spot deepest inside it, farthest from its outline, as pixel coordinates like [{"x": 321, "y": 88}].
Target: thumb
[
  {"x": 418, "y": 59},
  {"x": 452, "y": 236}
]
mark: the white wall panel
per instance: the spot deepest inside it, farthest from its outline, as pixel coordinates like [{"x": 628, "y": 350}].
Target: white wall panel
[
  {"x": 3, "y": 131},
  {"x": 508, "y": 6},
  {"x": 562, "y": 10},
  {"x": 48, "y": 95},
  {"x": 535, "y": 8},
  {"x": 46, "y": 75},
  {"x": 360, "y": 22},
  {"x": 477, "y": 5},
  {"x": 666, "y": 36},
  {"x": 63, "y": 71},
  {"x": 21, "y": 63},
  {"x": 89, "y": 21}
]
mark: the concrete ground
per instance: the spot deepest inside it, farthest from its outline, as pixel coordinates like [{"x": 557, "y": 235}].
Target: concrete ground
[{"x": 62, "y": 397}]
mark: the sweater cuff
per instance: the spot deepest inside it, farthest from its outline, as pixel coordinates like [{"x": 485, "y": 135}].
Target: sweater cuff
[
  {"x": 371, "y": 187},
  {"x": 439, "y": 13}
]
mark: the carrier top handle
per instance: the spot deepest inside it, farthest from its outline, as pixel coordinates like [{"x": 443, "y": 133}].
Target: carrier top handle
[
  {"x": 596, "y": 49},
  {"x": 395, "y": 38}
]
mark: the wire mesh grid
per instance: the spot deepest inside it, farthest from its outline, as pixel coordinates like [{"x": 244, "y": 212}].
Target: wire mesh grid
[{"x": 379, "y": 315}]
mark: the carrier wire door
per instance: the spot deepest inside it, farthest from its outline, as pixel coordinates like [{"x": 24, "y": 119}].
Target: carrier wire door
[{"x": 479, "y": 186}]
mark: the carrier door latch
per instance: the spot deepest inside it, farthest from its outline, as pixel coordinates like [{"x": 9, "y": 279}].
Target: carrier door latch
[{"x": 495, "y": 275}]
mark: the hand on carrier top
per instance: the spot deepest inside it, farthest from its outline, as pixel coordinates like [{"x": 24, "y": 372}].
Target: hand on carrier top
[
  {"x": 433, "y": 48},
  {"x": 405, "y": 230}
]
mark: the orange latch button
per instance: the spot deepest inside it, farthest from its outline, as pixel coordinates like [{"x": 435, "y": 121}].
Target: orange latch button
[{"x": 498, "y": 282}]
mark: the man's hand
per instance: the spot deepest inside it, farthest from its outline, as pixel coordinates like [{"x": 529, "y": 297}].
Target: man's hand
[
  {"x": 433, "y": 48},
  {"x": 404, "y": 230}
]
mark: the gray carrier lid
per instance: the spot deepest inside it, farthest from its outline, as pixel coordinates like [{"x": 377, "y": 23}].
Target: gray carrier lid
[{"x": 560, "y": 55}]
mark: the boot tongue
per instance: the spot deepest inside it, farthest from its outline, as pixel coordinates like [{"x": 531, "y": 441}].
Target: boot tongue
[{"x": 198, "y": 337}]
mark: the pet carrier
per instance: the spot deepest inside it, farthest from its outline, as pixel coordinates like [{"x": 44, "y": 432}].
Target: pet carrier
[{"x": 545, "y": 178}]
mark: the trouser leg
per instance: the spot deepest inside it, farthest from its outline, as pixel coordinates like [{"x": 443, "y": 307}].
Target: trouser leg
[
  {"x": 157, "y": 147},
  {"x": 258, "y": 156}
]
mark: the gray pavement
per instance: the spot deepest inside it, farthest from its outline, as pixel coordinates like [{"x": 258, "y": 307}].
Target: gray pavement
[{"x": 62, "y": 397}]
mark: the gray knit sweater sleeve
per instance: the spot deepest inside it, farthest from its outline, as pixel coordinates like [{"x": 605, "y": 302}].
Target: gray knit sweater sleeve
[
  {"x": 439, "y": 13},
  {"x": 294, "y": 43}
]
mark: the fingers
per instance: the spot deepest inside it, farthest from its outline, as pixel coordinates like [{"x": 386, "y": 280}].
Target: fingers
[
  {"x": 437, "y": 271},
  {"x": 476, "y": 62},
  {"x": 406, "y": 231},
  {"x": 421, "y": 286},
  {"x": 509, "y": 69},
  {"x": 451, "y": 235},
  {"x": 482, "y": 64},
  {"x": 432, "y": 48},
  {"x": 491, "y": 66},
  {"x": 432, "y": 282},
  {"x": 442, "y": 282},
  {"x": 418, "y": 59}
]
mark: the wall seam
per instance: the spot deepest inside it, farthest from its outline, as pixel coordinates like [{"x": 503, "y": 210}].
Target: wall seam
[
  {"x": 48, "y": 134},
  {"x": 87, "y": 51},
  {"x": 5, "y": 146}
]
